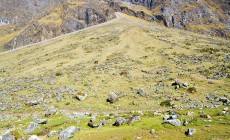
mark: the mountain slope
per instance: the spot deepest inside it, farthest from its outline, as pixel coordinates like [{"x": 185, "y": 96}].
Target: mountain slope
[
  {"x": 22, "y": 24},
  {"x": 49, "y": 19},
  {"x": 137, "y": 60}
]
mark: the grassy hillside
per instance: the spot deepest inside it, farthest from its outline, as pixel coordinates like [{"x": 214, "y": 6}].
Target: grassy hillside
[{"x": 123, "y": 57}]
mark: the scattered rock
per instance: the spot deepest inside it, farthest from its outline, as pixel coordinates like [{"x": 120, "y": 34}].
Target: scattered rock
[
  {"x": 34, "y": 137},
  {"x": 191, "y": 131},
  {"x": 92, "y": 119},
  {"x": 134, "y": 119},
  {"x": 177, "y": 84},
  {"x": 141, "y": 92},
  {"x": 68, "y": 133},
  {"x": 152, "y": 131},
  {"x": 93, "y": 125},
  {"x": 119, "y": 121},
  {"x": 103, "y": 122},
  {"x": 170, "y": 117},
  {"x": 76, "y": 115},
  {"x": 174, "y": 122},
  {"x": 41, "y": 121},
  {"x": 80, "y": 96},
  {"x": 8, "y": 136},
  {"x": 224, "y": 100},
  {"x": 112, "y": 97},
  {"x": 205, "y": 116},
  {"x": 34, "y": 102},
  {"x": 50, "y": 111},
  {"x": 190, "y": 113},
  {"x": 52, "y": 133},
  {"x": 185, "y": 123},
  {"x": 225, "y": 109},
  {"x": 33, "y": 126}
]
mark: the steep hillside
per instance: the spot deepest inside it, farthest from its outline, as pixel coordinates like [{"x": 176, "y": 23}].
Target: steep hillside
[
  {"x": 204, "y": 16},
  {"x": 124, "y": 78},
  {"x": 48, "y": 19}
]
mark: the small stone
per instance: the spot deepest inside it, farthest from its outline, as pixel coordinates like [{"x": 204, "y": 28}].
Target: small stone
[
  {"x": 93, "y": 125},
  {"x": 134, "y": 119},
  {"x": 185, "y": 123},
  {"x": 41, "y": 121},
  {"x": 33, "y": 103},
  {"x": 93, "y": 119},
  {"x": 191, "y": 131},
  {"x": 152, "y": 131},
  {"x": 34, "y": 137},
  {"x": 52, "y": 133},
  {"x": 103, "y": 122},
  {"x": 81, "y": 96},
  {"x": 225, "y": 109},
  {"x": 185, "y": 84},
  {"x": 8, "y": 136},
  {"x": 208, "y": 117},
  {"x": 141, "y": 92}
]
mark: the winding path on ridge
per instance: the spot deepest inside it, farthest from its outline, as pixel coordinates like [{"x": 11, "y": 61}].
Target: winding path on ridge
[{"x": 119, "y": 16}]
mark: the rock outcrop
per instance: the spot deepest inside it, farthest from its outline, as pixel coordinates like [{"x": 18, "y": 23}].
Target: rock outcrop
[
  {"x": 48, "y": 19},
  {"x": 208, "y": 17}
]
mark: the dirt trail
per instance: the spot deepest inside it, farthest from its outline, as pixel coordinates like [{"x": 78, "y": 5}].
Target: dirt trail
[{"x": 119, "y": 16}]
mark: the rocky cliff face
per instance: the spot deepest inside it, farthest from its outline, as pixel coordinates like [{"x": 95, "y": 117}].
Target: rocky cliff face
[
  {"x": 49, "y": 19},
  {"x": 209, "y": 17}
]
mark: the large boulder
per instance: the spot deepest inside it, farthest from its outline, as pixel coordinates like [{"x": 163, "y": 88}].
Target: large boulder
[
  {"x": 33, "y": 126},
  {"x": 112, "y": 97},
  {"x": 50, "y": 111},
  {"x": 119, "y": 121},
  {"x": 68, "y": 133},
  {"x": 8, "y": 136},
  {"x": 174, "y": 122},
  {"x": 172, "y": 119},
  {"x": 190, "y": 131}
]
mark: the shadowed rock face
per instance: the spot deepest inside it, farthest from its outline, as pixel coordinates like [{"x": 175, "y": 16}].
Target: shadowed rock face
[
  {"x": 20, "y": 12},
  {"x": 48, "y": 19},
  {"x": 147, "y": 3},
  {"x": 208, "y": 17}
]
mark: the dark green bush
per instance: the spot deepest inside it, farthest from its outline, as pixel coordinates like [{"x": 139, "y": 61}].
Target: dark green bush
[
  {"x": 191, "y": 90},
  {"x": 166, "y": 103}
]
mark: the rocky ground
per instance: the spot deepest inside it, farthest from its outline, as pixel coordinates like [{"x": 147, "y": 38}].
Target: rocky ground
[
  {"x": 24, "y": 22},
  {"x": 129, "y": 79}
]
